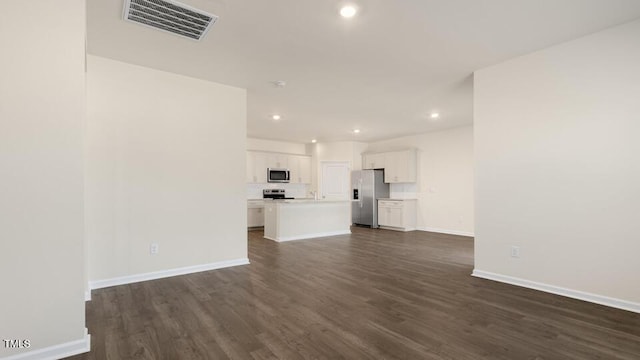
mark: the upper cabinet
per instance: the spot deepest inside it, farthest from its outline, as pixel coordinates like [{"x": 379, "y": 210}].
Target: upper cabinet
[
  {"x": 399, "y": 166},
  {"x": 277, "y": 161},
  {"x": 300, "y": 167},
  {"x": 256, "y": 167},
  {"x": 258, "y": 162},
  {"x": 373, "y": 161}
]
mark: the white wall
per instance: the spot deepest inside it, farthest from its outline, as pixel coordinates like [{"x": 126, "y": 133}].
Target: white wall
[
  {"x": 445, "y": 178},
  {"x": 276, "y": 146},
  {"x": 341, "y": 151},
  {"x": 557, "y": 170},
  {"x": 41, "y": 217},
  {"x": 165, "y": 164}
]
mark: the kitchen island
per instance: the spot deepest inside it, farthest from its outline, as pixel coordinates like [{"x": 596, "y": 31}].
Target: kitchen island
[{"x": 286, "y": 220}]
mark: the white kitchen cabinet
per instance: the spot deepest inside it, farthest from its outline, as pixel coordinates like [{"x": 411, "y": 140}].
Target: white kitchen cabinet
[
  {"x": 400, "y": 166},
  {"x": 255, "y": 215},
  {"x": 249, "y": 171},
  {"x": 277, "y": 161},
  {"x": 373, "y": 161},
  {"x": 300, "y": 167},
  {"x": 256, "y": 167},
  {"x": 258, "y": 162},
  {"x": 397, "y": 214}
]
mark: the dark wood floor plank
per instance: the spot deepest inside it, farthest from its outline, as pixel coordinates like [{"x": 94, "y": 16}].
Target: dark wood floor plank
[
  {"x": 278, "y": 347},
  {"x": 374, "y": 294}
]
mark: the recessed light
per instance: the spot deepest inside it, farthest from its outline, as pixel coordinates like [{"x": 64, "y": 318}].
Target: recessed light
[
  {"x": 356, "y": 131},
  {"x": 435, "y": 115},
  {"x": 348, "y": 11},
  {"x": 276, "y": 117},
  {"x": 314, "y": 141}
]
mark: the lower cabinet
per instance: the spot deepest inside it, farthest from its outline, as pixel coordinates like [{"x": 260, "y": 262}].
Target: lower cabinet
[
  {"x": 397, "y": 214},
  {"x": 255, "y": 215}
]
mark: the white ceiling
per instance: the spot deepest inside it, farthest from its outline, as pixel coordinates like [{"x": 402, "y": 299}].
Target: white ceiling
[{"x": 382, "y": 71}]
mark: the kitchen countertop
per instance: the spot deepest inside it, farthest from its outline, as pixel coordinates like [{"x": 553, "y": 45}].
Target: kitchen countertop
[
  {"x": 262, "y": 202},
  {"x": 304, "y": 201},
  {"x": 294, "y": 199},
  {"x": 396, "y": 199}
]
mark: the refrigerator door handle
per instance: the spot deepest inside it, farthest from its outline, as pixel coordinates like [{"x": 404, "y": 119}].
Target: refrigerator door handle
[{"x": 360, "y": 192}]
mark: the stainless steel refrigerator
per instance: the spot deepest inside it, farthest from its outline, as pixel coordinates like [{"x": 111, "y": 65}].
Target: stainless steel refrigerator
[{"x": 367, "y": 186}]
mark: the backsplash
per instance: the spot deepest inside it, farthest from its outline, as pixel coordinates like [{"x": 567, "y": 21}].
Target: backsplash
[
  {"x": 254, "y": 191},
  {"x": 397, "y": 191},
  {"x": 403, "y": 191}
]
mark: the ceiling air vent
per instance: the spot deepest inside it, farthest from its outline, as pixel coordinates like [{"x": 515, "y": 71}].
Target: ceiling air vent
[{"x": 170, "y": 16}]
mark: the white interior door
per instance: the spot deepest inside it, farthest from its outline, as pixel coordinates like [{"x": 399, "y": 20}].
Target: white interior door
[{"x": 335, "y": 180}]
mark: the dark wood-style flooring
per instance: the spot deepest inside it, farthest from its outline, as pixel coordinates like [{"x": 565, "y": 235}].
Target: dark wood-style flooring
[{"x": 375, "y": 294}]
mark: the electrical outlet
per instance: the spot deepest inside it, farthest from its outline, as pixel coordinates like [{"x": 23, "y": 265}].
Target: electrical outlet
[
  {"x": 515, "y": 251},
  {"x": 154, "y": 248}
]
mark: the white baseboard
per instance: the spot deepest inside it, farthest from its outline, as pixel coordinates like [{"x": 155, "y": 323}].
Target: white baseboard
[
  {"x": 396, "y": 228},
  {"x": 445, "y": 231},
  {"x": 580, "y": 295},
  {"x": 311, "y": 236},
  {"x": 98, "y": 284},
  {"x": 57, "y": 351}
]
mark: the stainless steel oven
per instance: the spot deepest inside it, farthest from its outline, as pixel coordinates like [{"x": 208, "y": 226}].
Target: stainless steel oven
[{"x": 275, "y": 194}]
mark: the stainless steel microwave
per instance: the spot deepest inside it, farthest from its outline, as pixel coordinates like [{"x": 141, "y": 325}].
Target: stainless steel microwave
[{"x": 278, "y": 175}]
